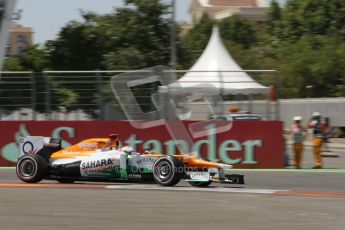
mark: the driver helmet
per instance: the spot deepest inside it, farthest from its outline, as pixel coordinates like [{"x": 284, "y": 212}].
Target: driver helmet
[{"x": 113, "y": 136}]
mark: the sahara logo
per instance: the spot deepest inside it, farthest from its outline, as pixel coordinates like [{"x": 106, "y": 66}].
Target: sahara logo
[{"x": 97, "y": 163}]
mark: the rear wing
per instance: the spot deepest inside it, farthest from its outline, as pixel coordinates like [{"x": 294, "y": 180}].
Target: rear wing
[{"x": 34, "y": 144}]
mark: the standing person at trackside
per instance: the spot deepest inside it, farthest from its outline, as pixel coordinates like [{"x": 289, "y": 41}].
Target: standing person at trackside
[
  {"x": 298, "y": 132},
  {"x": 315, "y": 124}
]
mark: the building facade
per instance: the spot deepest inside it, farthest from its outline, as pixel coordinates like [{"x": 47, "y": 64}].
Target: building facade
[
  {"x": 20, "y": 39},
  {"x": 220, "y": 9}
]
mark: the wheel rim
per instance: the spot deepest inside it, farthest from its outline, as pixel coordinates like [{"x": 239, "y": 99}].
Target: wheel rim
[
  {"x": 164, "y": 171},
  {"x": 27, "y": 168}
]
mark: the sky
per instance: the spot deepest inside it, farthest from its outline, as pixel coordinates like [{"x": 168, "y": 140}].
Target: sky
[{"x": 46, "y": 17}]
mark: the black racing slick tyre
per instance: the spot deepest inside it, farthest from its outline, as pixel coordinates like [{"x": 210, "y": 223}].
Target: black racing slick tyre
[
  {"x": 168, "y": 170},
  {"x": 31, "y": 168},
  {"x": 200, "y": 183}
]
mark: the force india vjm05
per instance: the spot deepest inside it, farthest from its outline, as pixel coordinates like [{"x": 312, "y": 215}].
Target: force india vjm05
[{"x": 43, "y": 158}]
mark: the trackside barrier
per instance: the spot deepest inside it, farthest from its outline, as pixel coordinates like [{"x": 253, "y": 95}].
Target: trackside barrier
[
  {"x": 248, "y": 144},
  {"x": 87, "y": 95}
]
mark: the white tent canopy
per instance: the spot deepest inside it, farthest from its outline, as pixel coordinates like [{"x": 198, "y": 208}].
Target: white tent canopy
[{"x": 216, "y": 72}]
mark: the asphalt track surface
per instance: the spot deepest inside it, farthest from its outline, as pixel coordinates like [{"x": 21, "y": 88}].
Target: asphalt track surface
[{"x": 270, "y": 199}]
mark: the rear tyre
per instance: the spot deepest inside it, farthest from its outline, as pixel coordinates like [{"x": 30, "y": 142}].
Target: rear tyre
[
  {"x": 66, "y": 180},
  {"x": 168, "y": 170},
  {"x": 31, "y": 168},
  {"x": 200, "y": 183}
]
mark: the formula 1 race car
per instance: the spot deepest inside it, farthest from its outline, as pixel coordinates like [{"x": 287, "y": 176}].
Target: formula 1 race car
[{"x": 43, "y": 158}]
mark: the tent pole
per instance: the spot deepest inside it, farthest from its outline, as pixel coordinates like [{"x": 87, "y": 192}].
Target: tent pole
[
  {"x": 268, "y": 107},
  {"x": 173, "y": 35},
  {"x": 277, "y": 99},
  {"x": 250, "y": 103}
]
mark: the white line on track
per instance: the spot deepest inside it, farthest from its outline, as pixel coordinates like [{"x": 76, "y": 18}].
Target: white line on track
[{"x": 195, "y": 189}]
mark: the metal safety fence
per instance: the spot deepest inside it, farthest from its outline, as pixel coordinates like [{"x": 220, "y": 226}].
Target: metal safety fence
[{"x": 89, "y": 95}]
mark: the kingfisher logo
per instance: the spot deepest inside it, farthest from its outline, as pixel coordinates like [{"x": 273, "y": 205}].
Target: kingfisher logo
[{"x": 88, "y": 146}]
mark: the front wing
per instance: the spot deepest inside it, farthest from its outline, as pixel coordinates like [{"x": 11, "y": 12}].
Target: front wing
[{"x": 215, "y": 175}]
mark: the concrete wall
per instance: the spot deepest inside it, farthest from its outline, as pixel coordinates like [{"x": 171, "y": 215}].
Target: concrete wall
[
  {"x": 328, "y": 107},
  {"x": 288, "y": 108}
]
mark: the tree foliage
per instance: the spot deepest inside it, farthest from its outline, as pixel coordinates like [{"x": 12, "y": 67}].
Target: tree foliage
[
  {"x": 34, "y": 59},
  {"x": 76, "y": 48},
  {"x": 132, "y": 37},
  {"x": 309, "y": 52},
  {"x": 238, "y": 29},
  {"x": 273, "y": 17},
  {"x": 312, "y": 67},
  {"x": 313, "y": 17},
  {"x": 196, "y": 40}
]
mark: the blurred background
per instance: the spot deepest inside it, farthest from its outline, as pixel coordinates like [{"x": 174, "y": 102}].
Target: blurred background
[{"x": 58, "y": 56}]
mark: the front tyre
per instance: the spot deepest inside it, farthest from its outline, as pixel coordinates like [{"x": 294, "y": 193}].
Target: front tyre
[
  {"x": 31, "y": 168},
  {"x": 202, "y": 184},
  {"x": 168, "y": 170}
]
